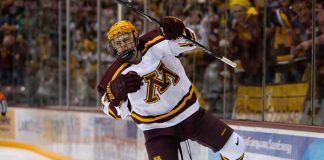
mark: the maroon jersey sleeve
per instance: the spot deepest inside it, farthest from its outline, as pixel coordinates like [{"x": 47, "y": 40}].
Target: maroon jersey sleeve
[{"x": 115, "y": 69}]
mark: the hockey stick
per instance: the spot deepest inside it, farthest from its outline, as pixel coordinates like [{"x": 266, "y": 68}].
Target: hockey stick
[{"x": 153, "y": 20}]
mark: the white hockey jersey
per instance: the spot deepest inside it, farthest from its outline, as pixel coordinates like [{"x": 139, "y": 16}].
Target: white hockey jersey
[{"x": 166, "y": 97}]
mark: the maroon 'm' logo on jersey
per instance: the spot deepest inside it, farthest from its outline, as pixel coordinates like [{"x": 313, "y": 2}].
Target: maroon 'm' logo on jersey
[{"x": 161, "y": 85}]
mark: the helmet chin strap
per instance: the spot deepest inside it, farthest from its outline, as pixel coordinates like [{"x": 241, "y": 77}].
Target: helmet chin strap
[
  {"x": 126, "y": 55},
  {"x": 135, "y": 39}
]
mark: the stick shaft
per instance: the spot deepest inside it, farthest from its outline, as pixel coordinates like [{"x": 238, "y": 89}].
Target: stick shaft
[{"x": 152, "y": 19}]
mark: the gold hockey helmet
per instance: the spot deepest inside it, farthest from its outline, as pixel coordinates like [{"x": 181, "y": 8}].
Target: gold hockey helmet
[{"x": 123, "y": 26}]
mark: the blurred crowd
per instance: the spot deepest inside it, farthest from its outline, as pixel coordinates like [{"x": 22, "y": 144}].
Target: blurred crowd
[
  {"x": 277, "y": 38},
  {"x": 29, "y": 59},
  {"x": 242, "y": 30}
]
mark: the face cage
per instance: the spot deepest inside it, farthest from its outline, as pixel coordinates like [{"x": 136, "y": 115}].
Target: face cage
[{"x": 131, "y": 40}]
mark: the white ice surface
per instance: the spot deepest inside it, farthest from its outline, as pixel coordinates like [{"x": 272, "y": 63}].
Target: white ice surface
[{"x": 10, "y": 153}]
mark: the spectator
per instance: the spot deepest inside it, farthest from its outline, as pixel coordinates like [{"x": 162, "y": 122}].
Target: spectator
[
  {"x": 6, "y": 56},
  {"x": 47, "y": 89},
  {"x": 281, "y": 37},
  {"x": 303, "y": 32},
  {"x": 196, "y": 23},
  {"x": 247, "y": 40},
  {"x": 213, "y": 86},
  {"x": 304, "y": 46},
  {"x": 19, "y": 59},
  {"x": 31, "y": 82},
  {"x": 320, "y": 39}
]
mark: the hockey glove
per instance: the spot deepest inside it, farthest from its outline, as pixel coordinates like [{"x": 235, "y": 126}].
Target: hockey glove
[
  {"x": 171, "y": 27},
  {"x": 118, "y": 88}
]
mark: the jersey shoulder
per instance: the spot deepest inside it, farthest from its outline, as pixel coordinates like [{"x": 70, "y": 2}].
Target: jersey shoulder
[{"x": 149, "y": 39}]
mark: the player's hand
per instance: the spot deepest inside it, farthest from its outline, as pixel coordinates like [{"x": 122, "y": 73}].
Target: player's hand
[
  {"x": 300, "y": 48},
  {"x": 171, "y": 27},
  {"x": 118, "y": 89}
]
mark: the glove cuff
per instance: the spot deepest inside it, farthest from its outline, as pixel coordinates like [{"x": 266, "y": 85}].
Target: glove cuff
[
  {"x": 110, "y": 95},
  {"x": 112, "y": 99}
]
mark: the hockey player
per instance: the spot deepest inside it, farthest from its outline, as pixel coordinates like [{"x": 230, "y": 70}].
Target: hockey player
[{"x": 148, "y": 83}]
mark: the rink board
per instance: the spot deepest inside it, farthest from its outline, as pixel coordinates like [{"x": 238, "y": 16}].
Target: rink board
[
  {"x": 80, "y": 135},
  {"x": 92, "y": 135},
  {"x": 272, "y": 144}
]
